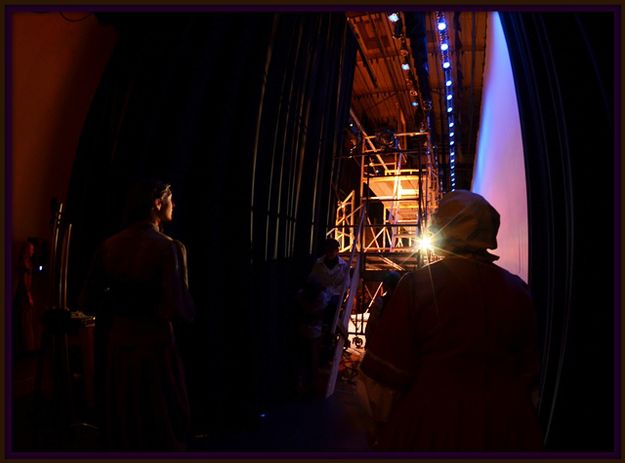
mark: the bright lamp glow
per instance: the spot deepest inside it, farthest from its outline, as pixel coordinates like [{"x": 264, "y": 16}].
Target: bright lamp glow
[
  {"x": 448, "y": 83},
  {"x": 405, "y": 66},
  {"x": 393, "y": 17},
  {"x": 451, "y": 124},
  {"x": 449, "y": 97},
  {"x": 414, "y": 103},
  {"x": 425, "y": 243},
  {"x": 451, "y": 134},
  {"x": 442, "y": 26},
  {"x": 446, "y": 64},
  {"x": 444, "y": 47}
]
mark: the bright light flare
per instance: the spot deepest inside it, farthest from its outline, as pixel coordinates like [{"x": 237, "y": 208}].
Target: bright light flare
[{"x": 425, "y": 243}]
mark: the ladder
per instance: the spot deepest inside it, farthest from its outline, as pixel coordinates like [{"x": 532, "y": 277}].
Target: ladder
[{"x": 396, "y": 194}]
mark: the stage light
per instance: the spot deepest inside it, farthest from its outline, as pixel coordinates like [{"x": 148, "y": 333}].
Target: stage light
[
  {"x": 393, "y": 17},
  {"x": 405, "y": 66},
  {"x": 445, "y": 59},
  {"x": 425, "y": 243}
]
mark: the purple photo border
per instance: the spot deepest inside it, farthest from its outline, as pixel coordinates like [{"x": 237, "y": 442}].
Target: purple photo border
[
  {"x": 8, "y": 241},
  {"x": 618, "y": 412},
  {"x": 9, "y": 453}
]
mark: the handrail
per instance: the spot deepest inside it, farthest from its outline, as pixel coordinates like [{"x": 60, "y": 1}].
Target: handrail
[{"x": 355, "y": 280}]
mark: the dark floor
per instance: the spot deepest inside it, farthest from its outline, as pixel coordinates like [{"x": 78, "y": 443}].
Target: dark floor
[{"x": 296, "y": 425}]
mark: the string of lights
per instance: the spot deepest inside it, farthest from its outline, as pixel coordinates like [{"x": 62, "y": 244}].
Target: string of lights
[
  {"x": 441, "y": 24},
  {"x": 410, "y": 78}
]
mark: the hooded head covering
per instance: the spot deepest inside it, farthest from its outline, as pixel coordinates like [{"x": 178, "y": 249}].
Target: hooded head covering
[{"x": 465, "y": 223}]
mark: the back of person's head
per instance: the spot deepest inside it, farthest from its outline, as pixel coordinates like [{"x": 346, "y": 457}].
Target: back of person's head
[
  {"x": 465, "y": 223},
  {"x": 141, "y": 198},
  {"x": 330, "y": 244}
]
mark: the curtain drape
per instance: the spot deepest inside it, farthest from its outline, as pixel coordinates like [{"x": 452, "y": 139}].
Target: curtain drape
[
  {"x": 243, "y": 114},
  {"x": 564, "y": 76}
]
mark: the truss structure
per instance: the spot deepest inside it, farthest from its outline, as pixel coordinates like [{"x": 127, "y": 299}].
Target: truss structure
[{"x": 396, "y": 194}]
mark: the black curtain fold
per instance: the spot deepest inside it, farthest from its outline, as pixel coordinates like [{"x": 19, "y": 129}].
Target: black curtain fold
[
  {"x": 243, "y": 113},
  {"x": 564, "y": 75},
  {"x": 298, "y": 139}
]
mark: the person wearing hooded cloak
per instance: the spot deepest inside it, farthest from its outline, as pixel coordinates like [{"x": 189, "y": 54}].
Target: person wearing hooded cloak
[{"x": 456, "y": 345}]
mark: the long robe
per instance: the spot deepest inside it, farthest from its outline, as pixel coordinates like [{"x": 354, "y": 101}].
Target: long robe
[
  {"x": 457, "y": 341},
  {"x": 137, "y": 286}
]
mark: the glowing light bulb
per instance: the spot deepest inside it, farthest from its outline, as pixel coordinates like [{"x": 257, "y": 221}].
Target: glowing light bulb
[
  {"x": 405, "y": 66},
  {"x": 448, "y": 83},
  {"x": 444, "y": 47},
  {"x": 393, "y": 17},
  {"x": 446, "y": 65},
  {"x": 442, "y": 26},
  {"x": 425, "y": 243}
]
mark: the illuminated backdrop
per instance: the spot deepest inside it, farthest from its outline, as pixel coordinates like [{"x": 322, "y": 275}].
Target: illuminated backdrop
[{"x": 499, "y": 171}]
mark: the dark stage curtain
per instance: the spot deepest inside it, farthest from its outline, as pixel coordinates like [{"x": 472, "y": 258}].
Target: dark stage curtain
[
  {"x": 243, "y": 113},
  {"x": 564, "y": 73}
]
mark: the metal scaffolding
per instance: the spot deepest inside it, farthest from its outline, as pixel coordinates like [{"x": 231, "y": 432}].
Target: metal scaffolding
[{"x": 383, "y": 218}]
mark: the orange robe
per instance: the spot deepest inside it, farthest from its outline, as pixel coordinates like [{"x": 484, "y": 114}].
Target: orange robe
[
  {"x": 457, "y": 340},
  {"x": 137, "y": 287}
]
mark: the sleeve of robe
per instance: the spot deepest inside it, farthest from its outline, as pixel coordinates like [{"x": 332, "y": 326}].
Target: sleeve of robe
[
  {"x": 392, "y": 351},
  {"x": 177, "y": 301},
  {"x": 92, "y": 297}
]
